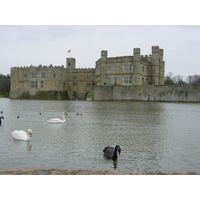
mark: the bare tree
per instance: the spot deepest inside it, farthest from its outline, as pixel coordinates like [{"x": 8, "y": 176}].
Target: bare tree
[
  {"x": 195, "y": 79},
  {"x": 169, "y": 79},
  {"x": 178, "y": 79}
]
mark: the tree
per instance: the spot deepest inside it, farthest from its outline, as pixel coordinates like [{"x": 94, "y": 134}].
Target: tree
[
  {"x": 189, "y": 79},
  {"x": 195, "y": 79},
  {"x": 169, "y": 79},
  {"x": 178, "y": 80},
  {"x": 4, "y": 84}
]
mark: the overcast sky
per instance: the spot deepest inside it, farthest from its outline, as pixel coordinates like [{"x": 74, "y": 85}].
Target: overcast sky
[{"x": 24, "y": 45}]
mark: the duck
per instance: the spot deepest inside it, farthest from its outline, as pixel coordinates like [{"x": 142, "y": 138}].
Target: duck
[
  {"x": 111, "y": 152},
  {"x": 0, "y": 119},
  {"x": 22, "y": 135},
  {"x": 57, "y": 120}
]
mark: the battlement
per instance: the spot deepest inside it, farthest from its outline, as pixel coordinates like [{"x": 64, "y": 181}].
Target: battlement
[
  {"x": 83, "y": 70},
  {"x": 40, "y": 67},
  {"x": 144, "y": 56},
  {"x": 136, "y": 51},
  {"x": 155, "y": 49},
  {"x": 104, "y": 53},
  {"x": 120, "y": 59}
]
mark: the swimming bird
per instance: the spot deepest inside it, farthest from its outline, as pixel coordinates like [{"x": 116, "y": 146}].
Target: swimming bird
[
  {"x": 0, "y": 119},
  {"x": 22, "y": 135},
  {"x": 111, "y": 152},
  {"x": 57, "y": 120}
]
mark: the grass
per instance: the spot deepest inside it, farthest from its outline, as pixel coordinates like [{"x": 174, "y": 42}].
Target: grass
[{"x": 4, "y": 95}]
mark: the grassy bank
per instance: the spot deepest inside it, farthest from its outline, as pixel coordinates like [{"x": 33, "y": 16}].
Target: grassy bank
[{"x": 4, "y": 95}]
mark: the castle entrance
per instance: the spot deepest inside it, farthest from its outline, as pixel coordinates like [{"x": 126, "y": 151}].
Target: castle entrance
[{"x": 88, "y": 96}]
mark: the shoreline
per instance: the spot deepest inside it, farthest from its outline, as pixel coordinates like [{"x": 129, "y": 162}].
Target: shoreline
[{"x": 52, "y": 171}]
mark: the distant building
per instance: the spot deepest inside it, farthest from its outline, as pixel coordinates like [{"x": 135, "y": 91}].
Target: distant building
[{"x": 75, "y": 83}]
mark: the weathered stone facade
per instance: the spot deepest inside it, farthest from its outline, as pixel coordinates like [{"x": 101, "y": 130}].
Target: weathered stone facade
[
  {"x": 58, "y": 82},
  {"x": 131, "y": 70},
  {"x": 165, "y": 93}
]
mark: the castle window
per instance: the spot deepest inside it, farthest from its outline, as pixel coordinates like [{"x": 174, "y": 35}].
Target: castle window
[
  {"x": 114, "y": 80},
  {"x": 74, "y": 85},
  {"x": 74, "y": 78},
  {"x": 115, "y": 68},
  {"x": 142, "y": 80},
  {"x": 54, "y": 75},
  {"x": 42, "y": 84},
  {"x": 88, "y": 78},
  {"x": 42, "y": 75},
  {"x": 25, "y": 75},
  {"x": 127, "y": 80},
  {"x": 108, "y": 81},
  {"x": 33, "y": 74},
  {"x": 88, "y": 85},
  {"x": 127, "y": 67},
  {"x": 109, "y": 68},
  {"x": 33, "y": 84},
  {"x": 143, "y": 69}
]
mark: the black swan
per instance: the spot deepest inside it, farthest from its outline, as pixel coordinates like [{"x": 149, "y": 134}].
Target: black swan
[
  {"x": 111, "y": 152},
  {"x": 0, "y": 119}
]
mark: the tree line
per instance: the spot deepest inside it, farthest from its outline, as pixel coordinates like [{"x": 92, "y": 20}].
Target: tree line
[
  {"x": 171, "y": 79},
  {"x": 4, "y": 85}
]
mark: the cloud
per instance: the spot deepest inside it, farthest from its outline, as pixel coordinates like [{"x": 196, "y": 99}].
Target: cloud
[{"x": 34, "y": 45}]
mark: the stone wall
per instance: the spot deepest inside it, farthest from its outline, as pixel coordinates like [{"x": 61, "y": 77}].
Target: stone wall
[
  {"x": 181, "y": 93},
  {"x": 40, "y": 95}
]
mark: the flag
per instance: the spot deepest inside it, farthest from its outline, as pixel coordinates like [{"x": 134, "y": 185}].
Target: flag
[{"x": 69, "y": 50}]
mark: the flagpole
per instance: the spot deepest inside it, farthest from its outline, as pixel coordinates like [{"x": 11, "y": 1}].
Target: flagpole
[{"x": 69, "y": 51}]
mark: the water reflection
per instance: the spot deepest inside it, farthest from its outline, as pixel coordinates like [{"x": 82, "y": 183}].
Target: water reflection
[
  {"x": 29, "y": 146},
  {"x": 115, "y": 164}
]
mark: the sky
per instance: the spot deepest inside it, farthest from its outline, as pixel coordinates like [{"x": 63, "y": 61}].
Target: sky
[{"x": 25, "y": 45}]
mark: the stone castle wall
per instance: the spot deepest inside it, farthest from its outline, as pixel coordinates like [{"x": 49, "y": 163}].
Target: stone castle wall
[
  {"x": 176, "y": 93},
  {"x": 75, "y": 83}
]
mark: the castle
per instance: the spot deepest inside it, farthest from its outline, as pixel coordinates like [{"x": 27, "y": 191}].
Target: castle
[{"x": 58, "y": 82}]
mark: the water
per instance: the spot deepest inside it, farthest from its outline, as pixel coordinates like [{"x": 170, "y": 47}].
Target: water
[{"x": 153, "y": 136}]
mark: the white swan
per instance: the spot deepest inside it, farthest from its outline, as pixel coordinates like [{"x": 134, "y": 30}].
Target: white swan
[
  {"x": 57, "y": 120},
  {"x": 22, "y": 135}
]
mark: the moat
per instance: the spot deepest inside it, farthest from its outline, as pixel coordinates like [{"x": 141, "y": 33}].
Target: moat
[{"x": 154, "y": 136}]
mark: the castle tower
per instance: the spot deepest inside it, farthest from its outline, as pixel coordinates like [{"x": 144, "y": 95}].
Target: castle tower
[
  {"x": 161, "y": 67},
  {"x": 104, "y": 55},
  {"x": 155, "y": 65},
  {"x": 136, "y": 52},
  {"x": 136, "y": 67},
  {"x": 71, "y": 63},
  {"x": 103, "y": 67}
]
